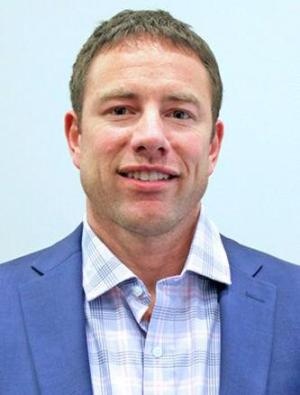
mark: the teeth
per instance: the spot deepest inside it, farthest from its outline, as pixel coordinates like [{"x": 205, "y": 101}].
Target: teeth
[
  {"x": 148, "y": 176},
  {"x": 153, "y": 176},
  {"x": 144, "y": 176}
]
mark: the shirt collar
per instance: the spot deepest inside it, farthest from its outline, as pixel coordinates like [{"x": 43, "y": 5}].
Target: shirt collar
[
  {"x": 102, "y": 270},
  {"x": 207, "y": 256}
]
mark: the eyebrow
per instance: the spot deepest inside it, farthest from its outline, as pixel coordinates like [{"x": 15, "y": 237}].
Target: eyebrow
[
  {"x": 118, "y": 93},
  {"x": 184, "y": 97}
]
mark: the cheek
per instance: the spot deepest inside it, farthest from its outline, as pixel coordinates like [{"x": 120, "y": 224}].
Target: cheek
[
  {"x": 108, "y": 141},
  {"x": 101, "y": 155},
  {"x": 194, "y": 152},
  {"x": 199, "y": 165}
]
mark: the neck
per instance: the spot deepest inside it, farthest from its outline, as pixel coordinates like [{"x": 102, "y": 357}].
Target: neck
[{"x": 150, "y": 258}]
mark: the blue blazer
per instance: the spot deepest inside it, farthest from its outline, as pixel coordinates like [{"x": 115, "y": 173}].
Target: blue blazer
[{"x": 42, "y": 326}]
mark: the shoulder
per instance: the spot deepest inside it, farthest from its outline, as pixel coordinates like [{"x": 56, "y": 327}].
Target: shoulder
[
  {"x": 270, "y": 268},
  {"x": 237, "y": 250},
  {"x": 16, "y": 270}
]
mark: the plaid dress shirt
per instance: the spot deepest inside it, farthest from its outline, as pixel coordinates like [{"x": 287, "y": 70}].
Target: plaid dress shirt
[{"x": 178, "y": 351}]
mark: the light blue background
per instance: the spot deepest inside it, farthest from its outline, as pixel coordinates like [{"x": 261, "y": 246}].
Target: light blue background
[{"x": 254, "y": 194}]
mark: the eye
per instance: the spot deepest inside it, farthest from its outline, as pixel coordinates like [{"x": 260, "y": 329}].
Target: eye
[
  {"x": 120, "y": 110},
  {"x": 180, "y": 114}
]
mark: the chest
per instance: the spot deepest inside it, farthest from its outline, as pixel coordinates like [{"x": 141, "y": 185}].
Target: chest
[{"x": 176, "y": 350}]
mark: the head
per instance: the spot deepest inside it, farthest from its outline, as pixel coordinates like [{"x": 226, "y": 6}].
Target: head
[
  {"x": 144, "y": 133},
  {"x": 132, "y": 25}
]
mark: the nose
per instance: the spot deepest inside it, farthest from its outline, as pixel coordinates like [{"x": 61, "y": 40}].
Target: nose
[{"x": 149, "y": 138}]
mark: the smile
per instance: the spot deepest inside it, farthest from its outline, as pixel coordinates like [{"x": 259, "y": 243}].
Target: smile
[{"x": 147, "y": 175}]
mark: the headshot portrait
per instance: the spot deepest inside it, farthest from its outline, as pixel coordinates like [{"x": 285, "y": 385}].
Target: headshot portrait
[{"x": 150, "y": 212}]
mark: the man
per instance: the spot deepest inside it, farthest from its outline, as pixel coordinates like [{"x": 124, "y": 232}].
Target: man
[{"x": 146, "y": 297}]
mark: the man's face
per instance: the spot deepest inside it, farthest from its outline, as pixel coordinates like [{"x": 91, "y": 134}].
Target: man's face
[{"x": 144, "y": 149}]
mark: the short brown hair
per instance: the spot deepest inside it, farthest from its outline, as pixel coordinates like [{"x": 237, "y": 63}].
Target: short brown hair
[{"x": 132, "y": 24}]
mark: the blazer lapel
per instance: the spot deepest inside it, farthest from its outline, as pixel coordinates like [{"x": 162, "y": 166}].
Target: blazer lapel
[
  {"x": 247, "y": 315},
  {"x": 53, "y": 311}
]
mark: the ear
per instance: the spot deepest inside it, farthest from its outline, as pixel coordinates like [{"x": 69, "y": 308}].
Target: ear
[
  {"x": 215, "y": 145},
  {"x": 73, "y": 136}
]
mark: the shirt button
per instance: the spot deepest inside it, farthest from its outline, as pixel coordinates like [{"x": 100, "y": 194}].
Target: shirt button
[
  {"x": 137, "y": 291},
  {"x": 157, "y": 352}
]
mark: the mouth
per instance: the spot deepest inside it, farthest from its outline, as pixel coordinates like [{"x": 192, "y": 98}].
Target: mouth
[{"x": 148, "y": 176}]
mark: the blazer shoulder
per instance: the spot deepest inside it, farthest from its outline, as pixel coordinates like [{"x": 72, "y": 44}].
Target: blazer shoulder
[
  {"x": 270, "y": 267},
  {"x": 16, "y": 270}
]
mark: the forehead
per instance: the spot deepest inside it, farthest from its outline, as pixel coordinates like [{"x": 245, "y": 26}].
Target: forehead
[{"x": 151, "y": 62}]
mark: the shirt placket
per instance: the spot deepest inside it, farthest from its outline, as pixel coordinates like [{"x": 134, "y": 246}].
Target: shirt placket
[{"x": 159, "y": 347}]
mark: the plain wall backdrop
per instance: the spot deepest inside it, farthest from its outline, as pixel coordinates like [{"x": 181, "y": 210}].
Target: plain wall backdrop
[{"x": 253, "y": 195}]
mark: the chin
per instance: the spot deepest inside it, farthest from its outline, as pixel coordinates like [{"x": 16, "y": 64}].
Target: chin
[{"x": 148, "y": 225}]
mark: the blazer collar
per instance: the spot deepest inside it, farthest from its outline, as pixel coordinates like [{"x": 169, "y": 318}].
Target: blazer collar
[
  {"x": 247, "y": 309},
  {"x": 54, "y": 320}
]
